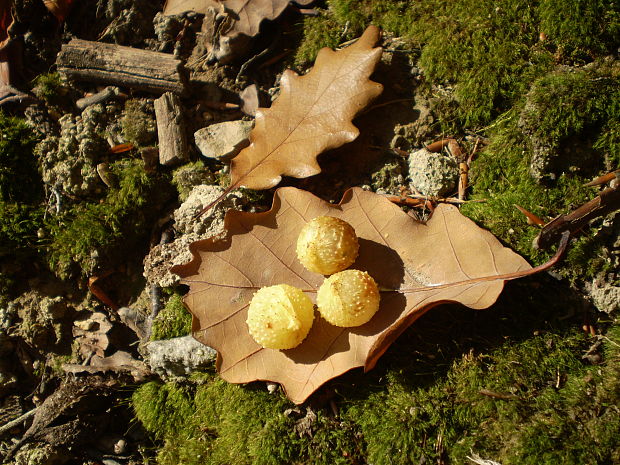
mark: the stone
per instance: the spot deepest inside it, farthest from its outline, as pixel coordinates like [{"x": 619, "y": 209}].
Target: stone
[
  {"x": 606, "y": 297},
  {"x": 222, "y": 141},
  {"x": 179, "y": 356},
  {"x": 432, "y": 173},
  {"x": 188, "y": 229}
]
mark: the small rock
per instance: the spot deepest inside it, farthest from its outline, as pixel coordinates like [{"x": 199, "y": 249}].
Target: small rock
[
  {"x": 179, "y": 356},
  {"x": 223, "y": 141},
  {"x": 189, "y": 228},
  {"x": 433, "y": 173},
  {"x": 606, "y": 297}
]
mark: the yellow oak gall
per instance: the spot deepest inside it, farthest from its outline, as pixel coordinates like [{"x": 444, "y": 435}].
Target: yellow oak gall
[
  {"x": 280, "y": 317},
  {"x": 349, "y": 298},
  {"x": 327, "y": 245}
]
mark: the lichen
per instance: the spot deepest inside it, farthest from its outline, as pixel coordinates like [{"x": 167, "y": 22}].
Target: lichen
[
  {"x": 90, "y": 234},
  {"x": 138, "y": 122},
  {"x": 68, "y": 162}
]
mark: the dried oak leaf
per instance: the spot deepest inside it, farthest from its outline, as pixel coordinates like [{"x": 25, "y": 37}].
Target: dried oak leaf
[
  {"x": 312, "y": 114},
  {"x": 248, "y": 14},
  {"x": 448, "y": 259},
  {"x": 59, "y": 8},
  {"x": 176, "y": 7}
]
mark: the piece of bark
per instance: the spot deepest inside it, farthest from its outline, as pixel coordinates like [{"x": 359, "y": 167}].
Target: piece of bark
[
  {"x": 84, "y": 60},
  {"x": 606, "y": 202},
  {"x": 173, "y": 148}
]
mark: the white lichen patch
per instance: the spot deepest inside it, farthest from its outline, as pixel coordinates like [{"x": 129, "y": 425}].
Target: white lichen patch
[
  {"x": 68, "y": 162},
  {"x": 433, "y": 173},
  {"x": 349, "y": 298},
  {"x": 189, "y": 228},
  {"x": 280, "y": 316}
]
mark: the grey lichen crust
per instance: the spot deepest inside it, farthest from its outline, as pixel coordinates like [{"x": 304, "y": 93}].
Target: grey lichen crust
[
  {"x": 433, "y": 173},
  {"x": 188, "y": 229},
  {"x": 68, "y": 162},
  {"x": 179, "y": 356}
]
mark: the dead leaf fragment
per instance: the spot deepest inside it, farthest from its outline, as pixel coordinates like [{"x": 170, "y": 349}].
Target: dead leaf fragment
[
  {"x": 249, "y": 14},
  {"x": 448, "y": 259},
  {"x": 59, "y": 8},
  {"x": 312, "y": 114},
  {"x": 176, "y": 7}
]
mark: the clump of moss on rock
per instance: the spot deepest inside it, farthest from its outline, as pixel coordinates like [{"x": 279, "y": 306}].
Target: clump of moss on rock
[
  {"x": 94, "y": 232},
  {"x": 173, "y": 321},
  {"x": 138, "y": 122}
]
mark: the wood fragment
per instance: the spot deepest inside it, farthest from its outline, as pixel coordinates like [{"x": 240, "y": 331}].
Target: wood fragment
[
  {"x": 497, "y": 395},
  {"x": 604, "y": 179},
  {"x": 606, "y": 202},
  {"x": 434, "y": 199},
  {"x": 173, "y": 147},
  {"x": 17, "y": 421},
  {"x": 438, "y": 146},
  {"x": 157, "y": 72},
  {"x": 101, "y": 96},
  {"x": 220, "y": 105},
  {"x": 531, "y": 218},
  {"x": 121, "y": 148},
  {"x": 409, "y": 202},
  {"x": 463, "y": 179},
  {"x": 100, "y": 293}
]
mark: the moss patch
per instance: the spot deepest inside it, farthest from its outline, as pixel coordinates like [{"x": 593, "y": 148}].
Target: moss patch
[
  {"x": 138, "y": 123},
  {"x": 488, "y": 51},
  {"x": 108, "y": 228},
  {"x": 531, "y": 399},
  {"x": 173, "y": 321}
]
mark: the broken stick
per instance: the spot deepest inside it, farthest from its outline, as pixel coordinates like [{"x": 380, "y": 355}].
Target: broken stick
[
  {"x": 173, "y": 148},
  {"x": 606, "y": 202},
  {"x": 84, "y": 60}
]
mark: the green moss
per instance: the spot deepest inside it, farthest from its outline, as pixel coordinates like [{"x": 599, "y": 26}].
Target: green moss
[
  {"x": 173, "y": 321},
  {"x": 530, "y": 400},
  {"x": 110, "y": 228},
  {"x": 318, "y": 32},
  {"x": 21, "y": 189},
  {"x": 487, "y": 51},
  {"x": 582, "y": 29},
  {"x": 162, "y": 408},
  {"x": 18, "y": 168},
  {"x": 49, "y": 87},
  {"x": 138, "y": 124},
  {"x": 190, "y": 175}
]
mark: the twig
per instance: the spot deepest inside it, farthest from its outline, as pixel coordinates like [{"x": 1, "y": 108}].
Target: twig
[
  {"x": 480, "y": 461},
  {"x": 13, "y": 423},
  {"x": 604, "y": 203},
  {"x": 384, "y": 104},
  {"x": 438, "y": 146},
  {"x": 99, "y": 97},
  {"x": 258, "y": 56},
  {"x": 604, "y": 179},
  {"x": 497, "y": 395},
  {"x": 393, "y": 198}
]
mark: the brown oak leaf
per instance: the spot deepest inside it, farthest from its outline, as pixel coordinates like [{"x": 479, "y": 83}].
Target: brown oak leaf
[
  {"x": 448, "y": 259},
  {"x": 312, "y": 114},
  {"x": 176, "y": 7},
  {"x": 59, "y": 8},
  {"x": 248, "y": 14}
]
